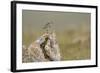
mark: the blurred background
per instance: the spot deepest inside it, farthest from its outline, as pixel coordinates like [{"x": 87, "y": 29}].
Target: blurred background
[{"x": 72, "y": 31}]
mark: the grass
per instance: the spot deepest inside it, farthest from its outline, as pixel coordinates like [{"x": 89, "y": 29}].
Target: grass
[
  {"x": 77, "y": 50},
  {"x": 74, "y": 44}
]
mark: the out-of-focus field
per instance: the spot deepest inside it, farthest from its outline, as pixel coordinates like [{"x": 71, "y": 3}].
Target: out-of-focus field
[{"x": 74, "y": 43}]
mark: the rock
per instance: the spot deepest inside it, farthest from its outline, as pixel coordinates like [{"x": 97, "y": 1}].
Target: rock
[{"x": 44, "y": 49}]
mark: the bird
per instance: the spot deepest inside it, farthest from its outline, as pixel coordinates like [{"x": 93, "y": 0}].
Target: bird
[{"x": 47, "y": 27}]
